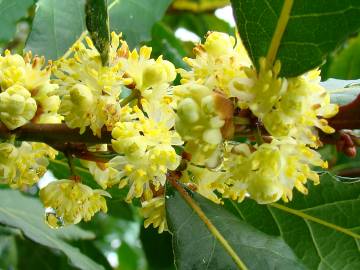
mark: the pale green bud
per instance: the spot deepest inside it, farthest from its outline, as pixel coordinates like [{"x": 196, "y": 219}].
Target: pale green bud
[
  {"x": 188, "y": 110},
  {"x": 81, "y": 96},
  {"x": 17, "y": 106},
  {"x": 153, "y": 74}
]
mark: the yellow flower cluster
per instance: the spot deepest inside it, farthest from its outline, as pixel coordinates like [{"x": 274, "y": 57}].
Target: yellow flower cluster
[
  {"x": 291, "y": 110},
  {"x": 217, "y": 62},
  {"x": 153, "y": 211},
  {"x": 73, "y": 201},
  {"x": 21, "y": 167},
  {"x": 287, "y": 107},
  {"x": 145, "y": 145},
  {"x": 201, "y": 116},
  {"x": 150, "y": 77},
  {"x": 89, "y": 91},
  {"x": 26, "y": 91},
  {"x": 143, "y": 133},
  {"x": 271, "y": 171},
  {"x": 132, "y": 97}
]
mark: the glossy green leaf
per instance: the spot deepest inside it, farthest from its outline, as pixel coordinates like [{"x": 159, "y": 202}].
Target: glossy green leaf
[
  {"x": 346, "y": 64},
  {"x": 153, "y": 244},
  {"x": 27, "y": 214},
  {"x": 315, "y": 29},
  {"x": 135, "y": 18},
  {"x": 322, "y": 228},
  {"x": 196, "y": 248},
  {"x": 342, "y": 91},
  {"x": 34, "y": 256},
  {"x": 57, "y": 25},
  {"x": 10, "y": 13},
  {"x": 97, "y": 23}
]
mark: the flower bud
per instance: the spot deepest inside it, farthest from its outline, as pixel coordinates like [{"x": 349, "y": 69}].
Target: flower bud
[
  {"x": 218, "y": 44},
  {"x": 81, "y": 96},
  {"x": 17, "y": 107}
]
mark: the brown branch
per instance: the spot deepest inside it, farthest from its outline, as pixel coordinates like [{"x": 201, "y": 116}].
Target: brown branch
[{"x": 54, "y": 134}]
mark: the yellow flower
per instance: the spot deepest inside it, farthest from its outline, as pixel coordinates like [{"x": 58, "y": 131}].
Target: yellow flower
[
  {"x": 8, "y": 155},
  {"x": 153, "y": 211},
  {"x": 89, "y": 91},
  {"x": 287, "y": 107},
  {"x": 31, "y": 74},
  {"x": 23, "y": 166},
  {"x": 301, "y": 109},
  {"x": 199, "y": 121},
  {"x": 272, "y": 171},
  {"x": 151, "y": 77},
  {"x": 260, "y": 90},
  {"x": 146, "y": 145},
  {"x": 145, "y": 129},
  {"x": 103, "y": 174},
  {"x": 147, "y": 172},
  {"x": 73, "y": 201},
  {"x": 206, "y": 181},
  {"x": 217, "y": 62}
]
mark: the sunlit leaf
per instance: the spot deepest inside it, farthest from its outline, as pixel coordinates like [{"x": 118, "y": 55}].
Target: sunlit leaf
[
  {"x": 57, "y": 25},
  {"x": 135, "y": 18}
]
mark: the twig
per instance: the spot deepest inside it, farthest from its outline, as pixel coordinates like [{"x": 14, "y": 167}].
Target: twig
[{"x": 54, "y": 133}]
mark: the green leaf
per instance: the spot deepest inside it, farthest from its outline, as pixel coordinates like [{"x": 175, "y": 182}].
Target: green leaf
[
  {"x": 10, "y": 13},
  {"x": 200, "y": 24},
  {"x": 27, "y": 214},
  {"x": 346, "y": 64},
  {"x": 8, "y": 251},
  {"x": 314, "y": 29},
  {"x": 34, "y": 256},
  {"x": 57, "y": 25},
  {"x": 153, "y": 244},
  {"x": 198, "y": 5},
  {"x": 135, "y": 18},
  {"x": 165, "y": 43},
  {"x": 322, "y": 228},
  {"x": 342, "y": 91},
  {"x": 97, "y": 23},
  {"x": 196, "y": 248},
  {"x": 112, "y": 233}
]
